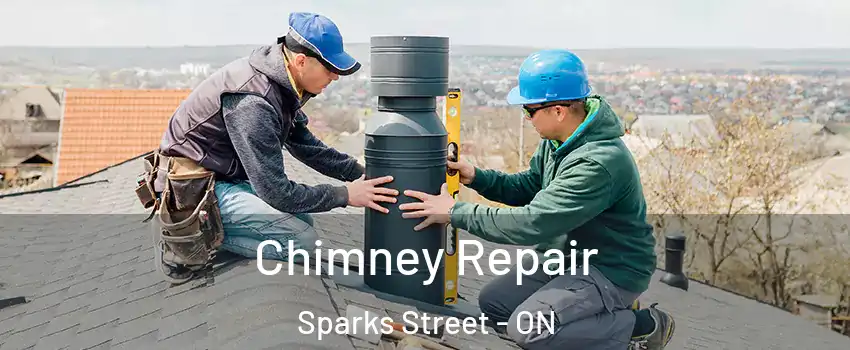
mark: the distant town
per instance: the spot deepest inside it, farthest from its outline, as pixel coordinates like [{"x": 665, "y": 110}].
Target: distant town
[
  {"x": 808, "y": 87},
  {"x": 812, "y": 86}
]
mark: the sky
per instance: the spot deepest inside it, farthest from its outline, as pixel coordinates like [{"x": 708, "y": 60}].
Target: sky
[{"x": 575, "y": 24}]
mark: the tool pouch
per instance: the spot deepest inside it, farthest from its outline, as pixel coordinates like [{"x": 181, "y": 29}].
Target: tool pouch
[
  {"x": 145, "y": 181},
  {"x": 189, "y": 217}
]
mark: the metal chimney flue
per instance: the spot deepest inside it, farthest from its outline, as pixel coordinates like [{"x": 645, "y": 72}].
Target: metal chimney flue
[
  {"x": 674, "y": 246},
  {"x": 406, "y": 138}
]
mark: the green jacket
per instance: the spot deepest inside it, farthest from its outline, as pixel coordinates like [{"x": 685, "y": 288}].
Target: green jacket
[{"x": 587, "y": 189}]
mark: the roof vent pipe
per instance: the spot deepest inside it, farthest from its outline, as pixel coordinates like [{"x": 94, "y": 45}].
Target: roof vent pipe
[
  {"x": 674, "y": 246},
  {"x": 406, "y": 138}
]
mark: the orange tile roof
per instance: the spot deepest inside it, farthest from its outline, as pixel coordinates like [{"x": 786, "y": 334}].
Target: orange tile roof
[{"x": 101, "y": 128}]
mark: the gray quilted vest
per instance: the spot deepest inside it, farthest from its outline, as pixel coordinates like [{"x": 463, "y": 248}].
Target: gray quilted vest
[{"x": 197, "y": 131}]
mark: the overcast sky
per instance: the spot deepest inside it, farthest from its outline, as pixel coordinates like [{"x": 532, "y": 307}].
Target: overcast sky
[{"x": 543, "y": 23}]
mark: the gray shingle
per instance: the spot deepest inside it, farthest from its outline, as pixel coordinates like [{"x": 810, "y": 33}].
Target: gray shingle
[{"x": 83, "y": 258}]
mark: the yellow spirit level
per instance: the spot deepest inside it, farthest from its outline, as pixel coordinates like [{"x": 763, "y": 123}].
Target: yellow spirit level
[{"x": 450, "y": 256}]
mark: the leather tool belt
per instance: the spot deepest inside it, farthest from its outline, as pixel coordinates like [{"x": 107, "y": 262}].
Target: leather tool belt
[{"x": 186, "y": 212}]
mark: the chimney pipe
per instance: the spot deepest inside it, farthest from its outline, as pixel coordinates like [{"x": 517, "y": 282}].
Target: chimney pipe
[
  {"x": 406, "y": 138},
  {"x": 674, "y": 246}
]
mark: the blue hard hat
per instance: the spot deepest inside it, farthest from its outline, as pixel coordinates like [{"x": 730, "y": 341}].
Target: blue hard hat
[
  {"x": 550, "y": 75},
  {"x": 321, "y": 36}
]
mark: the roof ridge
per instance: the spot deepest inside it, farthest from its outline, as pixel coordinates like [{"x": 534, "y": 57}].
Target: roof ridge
[
  {"x": 109, "y": 167},
  {"x": 76, "y": 182},
  {"x": 51, "y": 189},
  {"x": 724, "y": 289}
]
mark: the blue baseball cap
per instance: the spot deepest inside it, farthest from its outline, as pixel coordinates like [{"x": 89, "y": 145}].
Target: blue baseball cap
[{"x": 321, "y": 37}]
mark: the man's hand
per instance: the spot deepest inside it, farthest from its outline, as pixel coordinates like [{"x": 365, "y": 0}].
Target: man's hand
[
  {"x": 466, "y": 170},
  {"x": 366, "y": 193},
  {"x": 435, "y": 209}
]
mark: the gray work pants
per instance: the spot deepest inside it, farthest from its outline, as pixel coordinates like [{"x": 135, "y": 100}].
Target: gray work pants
[{"x": 590, "y": 312}]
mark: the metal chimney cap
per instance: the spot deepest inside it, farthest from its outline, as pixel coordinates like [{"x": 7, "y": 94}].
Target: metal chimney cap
[
  {"x": 409, "y": 66},
  {"x": 408, "y": 40},
  {"x": 675, "y": 241}
]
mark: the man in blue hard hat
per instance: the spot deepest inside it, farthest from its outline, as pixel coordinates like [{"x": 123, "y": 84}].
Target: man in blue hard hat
[
  {"x": 582, "y": 191},
  {"x": 235, "y": 125}
]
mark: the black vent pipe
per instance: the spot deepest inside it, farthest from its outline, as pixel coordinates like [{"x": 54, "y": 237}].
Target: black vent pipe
[
  {"x": 674, "y": 257},
  {"x": 406, "y": 138}
]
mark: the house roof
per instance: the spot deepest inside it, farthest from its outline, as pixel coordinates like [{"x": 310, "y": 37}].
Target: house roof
[
  {"x": 15, "y": 106},
  {"x": 41, "y": 155},
  {"x": 104, "y": 127},
  {"x": 683, "y": 129},
  {"x": 804, "y": 134},
  {"x": 821, "y": 300},
  {"x": 824, "y": 182},
  {"x": 640, "y": 145},
  {"x": 83, "y": 258}
]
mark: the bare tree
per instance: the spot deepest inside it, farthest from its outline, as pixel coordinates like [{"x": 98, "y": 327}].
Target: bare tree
[
  {"x": 778, "y": 236},
  {"x": 700, "y": 191},
  {"x": 740, "y": 199},
  {"x": 831, "y": 276},
  {"x": 4, "y": 130},
  {"x": 844, "y": 306},
  {"x": 490, "y": 138}
]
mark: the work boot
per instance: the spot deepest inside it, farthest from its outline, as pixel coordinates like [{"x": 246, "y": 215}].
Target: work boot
[{"x": 660, "y": 336}]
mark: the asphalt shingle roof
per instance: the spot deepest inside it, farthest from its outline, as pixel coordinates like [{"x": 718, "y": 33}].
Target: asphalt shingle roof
[{"x": 84, "y": 260}]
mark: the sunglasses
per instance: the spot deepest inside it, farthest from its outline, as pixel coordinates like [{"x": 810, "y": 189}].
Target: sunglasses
[{"x": 529, "y": 112}]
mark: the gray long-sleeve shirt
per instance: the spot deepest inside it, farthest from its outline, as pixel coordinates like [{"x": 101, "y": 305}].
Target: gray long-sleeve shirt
[{"x": 255, "y": 130}]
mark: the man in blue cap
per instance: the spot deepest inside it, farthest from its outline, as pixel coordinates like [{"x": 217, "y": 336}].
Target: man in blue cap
[
  {"x": 234, "y": 125},
  {"x": 582, "y": 191}
]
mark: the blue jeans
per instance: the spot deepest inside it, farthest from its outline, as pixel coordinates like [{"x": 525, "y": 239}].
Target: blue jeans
[{"x": 248, "y": 221}]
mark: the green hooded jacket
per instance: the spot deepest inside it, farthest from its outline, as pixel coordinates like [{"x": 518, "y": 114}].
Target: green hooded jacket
[{"x": 587, "y": 189}]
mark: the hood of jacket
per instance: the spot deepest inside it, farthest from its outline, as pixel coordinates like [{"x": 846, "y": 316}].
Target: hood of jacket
[
  {"x": 602, "y": 123},
  {"x": 269, "y": 60}
]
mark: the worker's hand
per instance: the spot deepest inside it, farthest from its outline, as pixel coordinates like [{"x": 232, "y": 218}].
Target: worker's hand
[
  {"x": 435, "y": 209},
  {"x": 466, "y": 170},
  {"x": 366, "y": 193}
]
